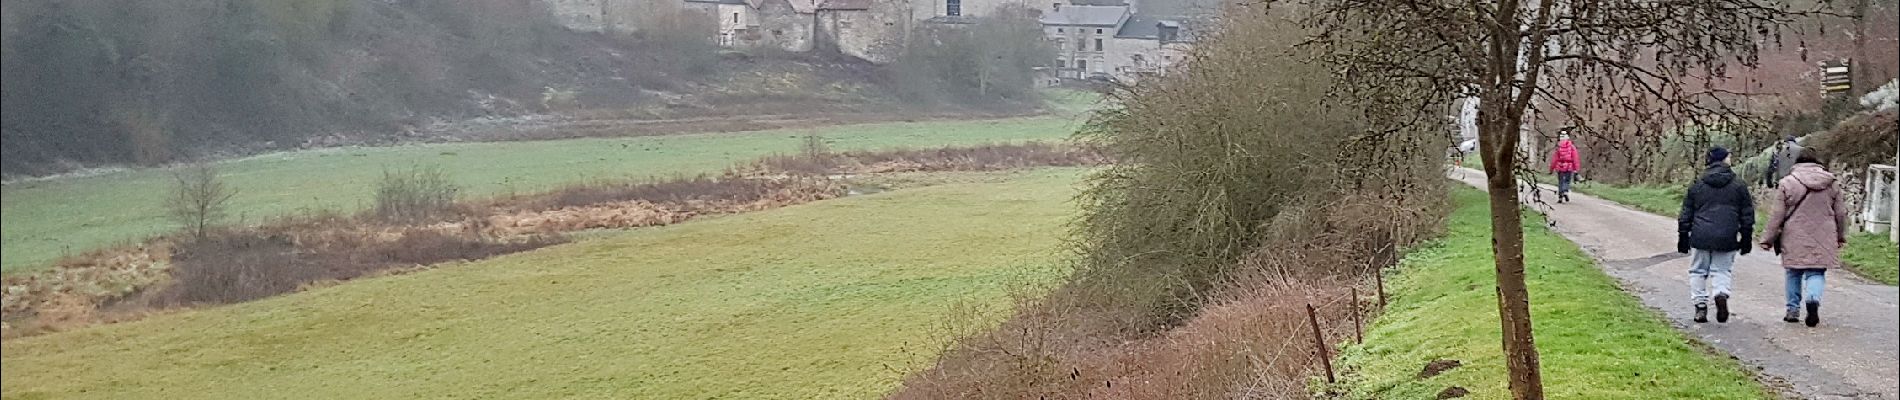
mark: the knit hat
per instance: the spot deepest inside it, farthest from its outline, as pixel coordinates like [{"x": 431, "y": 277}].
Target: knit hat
[{"x": 1717, "y": 154}]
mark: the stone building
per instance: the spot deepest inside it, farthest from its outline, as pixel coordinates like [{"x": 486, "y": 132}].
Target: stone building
[
  {"x": 1096, "y": 37},
  {"x": 1094, "y": 40},
  {"x": 869, "y": 29},
  {"x": 617, "y": 16}
]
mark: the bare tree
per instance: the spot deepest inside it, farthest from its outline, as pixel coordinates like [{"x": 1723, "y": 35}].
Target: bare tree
[
  {"x": 198, "y": 199},
  {"x": 1637, "y": 67}
]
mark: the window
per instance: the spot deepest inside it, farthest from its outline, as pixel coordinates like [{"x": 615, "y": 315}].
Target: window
[
  {"x": 1081, "y": 64},
  {"x": 1055, "y": 6},
  {"x": 1082, "y": 45},
  {"x": 1062, "y": 43},
  {"x": 1138, "y": 61},
  {"x": 735, "y": 18},
  {"x": 1061, "y": 63},
  {"x": 953, "y": 7},
  {"x": 1098, "y": 31},
  {"x": 1098, "y": 44},
  {"x": 1058, "y": 30}
]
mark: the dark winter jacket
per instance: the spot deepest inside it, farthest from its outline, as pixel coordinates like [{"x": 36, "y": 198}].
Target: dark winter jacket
[{"x": 1717, "y": 214}]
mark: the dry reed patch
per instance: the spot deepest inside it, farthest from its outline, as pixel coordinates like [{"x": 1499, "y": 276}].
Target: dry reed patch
[
  {"x": 1256, "y": 346},
  {"x": 1250, "y": 337},
  {"x": 990, "y": 157}
]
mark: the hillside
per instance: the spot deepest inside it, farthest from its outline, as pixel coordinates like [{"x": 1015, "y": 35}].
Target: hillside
[{"x": 98, "y": 82}]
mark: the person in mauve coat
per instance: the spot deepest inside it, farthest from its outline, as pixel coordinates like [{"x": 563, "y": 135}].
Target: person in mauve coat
[{"x": 1808, "y": 227}]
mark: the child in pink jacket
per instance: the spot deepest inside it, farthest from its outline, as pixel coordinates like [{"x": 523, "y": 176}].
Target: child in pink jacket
[{"x": 1565, "y": 163}]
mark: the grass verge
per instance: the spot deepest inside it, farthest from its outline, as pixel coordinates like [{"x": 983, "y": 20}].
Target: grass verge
[
  {"x": 1873, "y": 256},
  {"x": 1596, "y": 342},
  {"x": 835, "y": 299},
  {"x": 46, "y": 220}
]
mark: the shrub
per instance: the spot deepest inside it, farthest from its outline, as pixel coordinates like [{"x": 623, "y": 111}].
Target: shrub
[
  {"x": 415, "y": 194},
  {"x": 198, "y": 199},
  {"x": 1242, "y": 191},
  {"x": 813, "y": 147},
  {"x": 993, "y": 59}
]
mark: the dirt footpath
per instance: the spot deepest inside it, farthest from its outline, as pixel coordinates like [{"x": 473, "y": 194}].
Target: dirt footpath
[{"x": 1853, "y": 354}]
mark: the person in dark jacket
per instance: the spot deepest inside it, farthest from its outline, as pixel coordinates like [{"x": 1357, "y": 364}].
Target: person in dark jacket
[
  {"x": 1717, "y": 220},
  {"x": 1782, "y": 162}
]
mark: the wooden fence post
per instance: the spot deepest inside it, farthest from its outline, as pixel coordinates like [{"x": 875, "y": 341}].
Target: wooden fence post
[
  {"x": 1378, "y": 276},
  {"x": 1358, "y": 330},
  {"x": 1319, "y": 341}
]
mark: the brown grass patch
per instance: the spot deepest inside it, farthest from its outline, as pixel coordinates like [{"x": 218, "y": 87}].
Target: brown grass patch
[{"x": 989, "y": 157}]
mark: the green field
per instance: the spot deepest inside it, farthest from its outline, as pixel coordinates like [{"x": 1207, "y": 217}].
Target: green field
[
  {"x": 829, "y": 300},
  {"x": 1443, "y": 307},
  {"x": 49, "y": 219}
]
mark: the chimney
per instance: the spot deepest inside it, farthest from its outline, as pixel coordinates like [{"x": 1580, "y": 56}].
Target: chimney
[{"x": 1056, "y": 6}]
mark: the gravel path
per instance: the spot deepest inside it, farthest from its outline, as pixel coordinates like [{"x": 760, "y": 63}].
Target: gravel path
[{"x": 1853, "y": 354}]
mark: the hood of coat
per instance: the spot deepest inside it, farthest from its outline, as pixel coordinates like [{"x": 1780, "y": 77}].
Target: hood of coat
[
  {"x": 1718, "y": 176},
  {"x": 1812, "y": 175}
]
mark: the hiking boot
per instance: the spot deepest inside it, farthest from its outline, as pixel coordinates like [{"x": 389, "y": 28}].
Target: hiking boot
[
  {"x": 1794, "y": 315},
  {"x": 1721, "y": 308},
  {"x": 1814, "y": 314},
  {"x": 1701, "y": 313}
]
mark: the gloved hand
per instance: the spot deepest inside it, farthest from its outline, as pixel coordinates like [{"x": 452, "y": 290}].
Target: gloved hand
[
  {"x": 1682, "y": 243},
  {"x": 1746, "y": 239}
]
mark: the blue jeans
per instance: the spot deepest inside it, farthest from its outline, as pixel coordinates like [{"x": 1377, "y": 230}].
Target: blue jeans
[
  {"x": 1563, "y": 182},
  {"x": 1809, "y": 280},
  {"x": 1710, "y": 271}
]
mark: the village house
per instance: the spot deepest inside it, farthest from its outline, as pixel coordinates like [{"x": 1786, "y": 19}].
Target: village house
[
  {"x": 872, "y": 30},
  {"x": 869, "y": 29},
  {"x": 1111, "y": 41},
  {"x": 1094, "y": 38}
]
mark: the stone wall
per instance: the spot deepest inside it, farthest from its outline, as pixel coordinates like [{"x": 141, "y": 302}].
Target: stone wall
[
  {"x": 779, "y": 27},
  {"x": 1077, "y": 50},
  {"x": 611, "y": 15},
  {"x": 926, "y": 9},
  {"x": 580, "y": 15},
  {"x": 875, "y": 34}
]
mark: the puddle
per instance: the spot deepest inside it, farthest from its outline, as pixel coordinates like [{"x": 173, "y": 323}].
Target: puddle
[{"x": 859, "y": 190}]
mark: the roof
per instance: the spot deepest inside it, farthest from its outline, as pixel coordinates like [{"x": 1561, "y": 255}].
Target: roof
[
  {"x": 952, "y": 20},
  {"x": 1086, "y": 15},
  {"x": 844, "y": 4},
  {"x": 1149, "y": 27},
  {"x": 732, "y": 2},
  {"x": 1099, "y": 2},
  {"x": 804, "y": 6}
]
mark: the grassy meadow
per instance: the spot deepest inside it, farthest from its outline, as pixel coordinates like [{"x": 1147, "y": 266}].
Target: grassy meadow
[
  {"x": 1442, "y": 307},
  {"x": 49, "y": 219},
  {"x": 834, "y": 299}
]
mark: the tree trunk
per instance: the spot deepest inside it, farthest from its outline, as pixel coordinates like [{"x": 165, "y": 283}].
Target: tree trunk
[{"x": 1498, "y": 133}]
